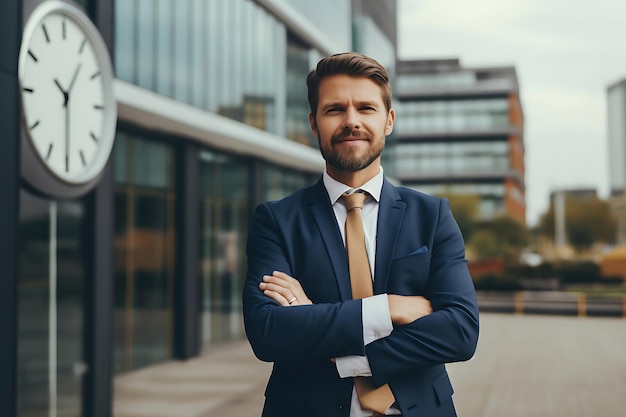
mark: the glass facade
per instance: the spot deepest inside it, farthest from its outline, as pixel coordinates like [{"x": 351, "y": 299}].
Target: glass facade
[
  {"x": 425, "y": 81},
  {"x": 297, "y": 112},
  {"x": 331, "y": 17},
  {"x": 144, "y": 251},
  {"x": 456, "y": 158},
  {"x": 452, "y": 115},
  {"x": 371, "y": 41},
  {"x": 225, "y": 56},
  {"x": 278, "y": 183},
  {"x": 224, "y": 220},
  {"x": 51, "y": 277}
]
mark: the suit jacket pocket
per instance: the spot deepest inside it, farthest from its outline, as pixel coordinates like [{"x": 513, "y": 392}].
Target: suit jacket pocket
[{"x": 409, "y": 274}]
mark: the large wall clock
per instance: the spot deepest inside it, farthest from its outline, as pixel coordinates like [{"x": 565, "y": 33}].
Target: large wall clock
[{"x": 68, "y": 105}]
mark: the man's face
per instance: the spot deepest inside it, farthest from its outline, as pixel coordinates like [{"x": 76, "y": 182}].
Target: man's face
[{"x": 351, "y": 122}]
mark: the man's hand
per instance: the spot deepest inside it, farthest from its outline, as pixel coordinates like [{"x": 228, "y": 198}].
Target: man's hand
[
  {"x": 407, "y": 309},
  {"x": 285, "y": 290}
]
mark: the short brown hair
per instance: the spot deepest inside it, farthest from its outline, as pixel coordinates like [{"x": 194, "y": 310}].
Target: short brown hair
[{"x": 348, "y": 63}]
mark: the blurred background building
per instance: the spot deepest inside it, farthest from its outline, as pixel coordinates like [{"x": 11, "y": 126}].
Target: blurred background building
[
  {"x": 460, "y": 132},
  {"x": 616, "y": 132}
]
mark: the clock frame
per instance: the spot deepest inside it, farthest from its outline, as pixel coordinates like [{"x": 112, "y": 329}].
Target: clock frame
[{"x": 68, "y": 106}]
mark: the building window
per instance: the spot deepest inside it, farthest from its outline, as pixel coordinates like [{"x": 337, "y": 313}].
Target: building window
[
  {"x": 224, "y": 214},
  {"x": 224, "y": 56},
  {"x": 278, "y": 182},
  {"x": 452, "y": 116},
  {"x": 144, "y": 251},
  {"x": 297, "y": 111},
  {"x": 445, "y": 158}
]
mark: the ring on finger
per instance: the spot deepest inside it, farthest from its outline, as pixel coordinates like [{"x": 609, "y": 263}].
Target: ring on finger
[{"x": 292, "y": 300}]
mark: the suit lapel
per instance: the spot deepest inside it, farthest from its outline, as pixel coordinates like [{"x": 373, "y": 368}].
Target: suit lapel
[
  {"x": 390, "y": 215},
  {"x": 322, "y": 212}
]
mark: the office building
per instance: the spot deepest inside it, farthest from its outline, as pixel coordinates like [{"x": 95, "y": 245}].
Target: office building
[
  {"x": 616, "y": 129},
  {"x": 461, "y": 131},
  {"x": 148, "y": 265},
  {"x": 616, "y": 132}
]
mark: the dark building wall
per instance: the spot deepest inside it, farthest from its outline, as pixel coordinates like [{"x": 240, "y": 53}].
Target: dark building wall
[{"x": 10, "y": 29}]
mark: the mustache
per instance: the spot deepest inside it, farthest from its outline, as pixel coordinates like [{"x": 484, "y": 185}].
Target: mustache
[{"x": 349, "y": 134}]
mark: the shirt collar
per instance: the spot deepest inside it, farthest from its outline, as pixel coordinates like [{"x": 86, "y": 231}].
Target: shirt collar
[{"x": 335, "y": 188}]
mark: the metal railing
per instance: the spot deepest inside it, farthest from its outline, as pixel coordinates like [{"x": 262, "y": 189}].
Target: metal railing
[{"x": 552, "y": 302}]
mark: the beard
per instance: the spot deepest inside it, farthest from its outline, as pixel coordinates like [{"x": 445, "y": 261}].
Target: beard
[{"x": 349, "y": 159}]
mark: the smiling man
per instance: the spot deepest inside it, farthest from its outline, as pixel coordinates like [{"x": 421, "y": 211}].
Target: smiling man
[{"x": 357, "y": 290}]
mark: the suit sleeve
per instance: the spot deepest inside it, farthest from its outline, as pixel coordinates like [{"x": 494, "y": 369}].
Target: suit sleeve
[
  {"x": 299, "y": 333},
  {"x": 450, "y": 333}
]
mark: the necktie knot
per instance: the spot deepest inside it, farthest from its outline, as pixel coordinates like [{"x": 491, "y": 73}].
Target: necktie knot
[{"x": 354, "y": 200}]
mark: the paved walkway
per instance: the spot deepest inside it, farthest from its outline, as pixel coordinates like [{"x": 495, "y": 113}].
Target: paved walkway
[{"x": 526, "y": 366}]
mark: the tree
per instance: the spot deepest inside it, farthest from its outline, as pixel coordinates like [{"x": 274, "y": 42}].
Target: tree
[
  {"x": 587, "y": 221},
  {"x": 502, "y": 237},
  {"x": 465, "y": 211}
]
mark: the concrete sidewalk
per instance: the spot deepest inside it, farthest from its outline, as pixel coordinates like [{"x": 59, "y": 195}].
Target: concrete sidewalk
[
  {"x": 526, "y": 366},
  {"x": 226, "y": 381}
]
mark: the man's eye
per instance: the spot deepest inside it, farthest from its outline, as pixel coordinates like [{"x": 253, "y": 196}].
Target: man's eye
[{"x": 334, "y": 110}]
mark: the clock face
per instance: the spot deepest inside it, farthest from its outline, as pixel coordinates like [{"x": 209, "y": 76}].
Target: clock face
[{"x": 66, "y": 83}]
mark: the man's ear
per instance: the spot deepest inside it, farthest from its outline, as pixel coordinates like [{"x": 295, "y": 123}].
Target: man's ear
[
  {"x": 391, "y": 118},
  {"x": 313, "y": 124}
]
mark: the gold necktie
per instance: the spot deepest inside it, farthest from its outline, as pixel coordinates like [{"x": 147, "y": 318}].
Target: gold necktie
[{"x": 370, "y": 397}]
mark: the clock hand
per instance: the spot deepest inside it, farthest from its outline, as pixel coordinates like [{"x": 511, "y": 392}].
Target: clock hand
[
  {"x": 59, "y": 85},
  {"x": 74, "y": 77},
  {"x": 65, "y": 94}
]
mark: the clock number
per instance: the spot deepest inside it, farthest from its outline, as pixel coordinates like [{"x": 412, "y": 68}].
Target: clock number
[
  {"x": 93, "y": 136},
  {"x": 28, "y": 90},
  {"x": 82, "y": 157},
  {"x": 64, "y": 31},
  {"x": 45, "y": 33},
  {"x": 98, "y": 107},
  {"x": 49, "y": 151},
  {"x": 34, "y": 125},
  {"x": 95, "y": 75}
]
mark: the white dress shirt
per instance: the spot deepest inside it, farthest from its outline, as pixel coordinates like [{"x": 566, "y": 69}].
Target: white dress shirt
[{"x": 375, "y": 310}]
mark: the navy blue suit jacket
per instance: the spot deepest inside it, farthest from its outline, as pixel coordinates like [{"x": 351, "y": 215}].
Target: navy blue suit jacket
[{"x": 419, "y": 251}]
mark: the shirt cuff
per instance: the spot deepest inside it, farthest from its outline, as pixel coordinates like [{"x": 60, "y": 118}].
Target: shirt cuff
[
  {"x": 376, "y": 318},
  {"x": 353, "y": 366}
]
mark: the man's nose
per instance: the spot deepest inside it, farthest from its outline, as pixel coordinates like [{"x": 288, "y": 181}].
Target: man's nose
[{"x": 351, "y": 119}]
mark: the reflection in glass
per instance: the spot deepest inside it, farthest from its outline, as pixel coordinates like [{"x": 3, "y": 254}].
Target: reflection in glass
[
  {"x": 278, "y": 183},
  {"x": 297, "y": 112},
  {"x": 336, "y": 25},
  {"x": 144, "y": 251},
  {"x": 50, "y": 307},
  {"x": 225, "y": 56},
  {"x": 224, "y": 214}
]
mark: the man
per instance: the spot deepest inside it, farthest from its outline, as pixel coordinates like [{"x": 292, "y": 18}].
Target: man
[{"x": 299, "y": 308}]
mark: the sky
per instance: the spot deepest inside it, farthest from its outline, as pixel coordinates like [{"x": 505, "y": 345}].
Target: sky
[{"x": 565, "y": 53}]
